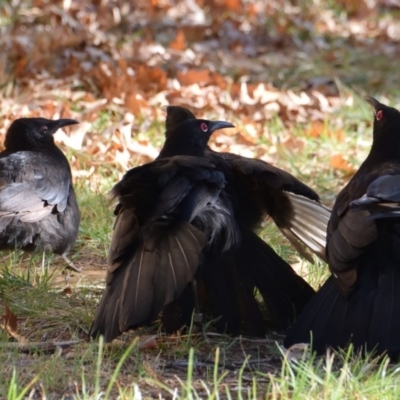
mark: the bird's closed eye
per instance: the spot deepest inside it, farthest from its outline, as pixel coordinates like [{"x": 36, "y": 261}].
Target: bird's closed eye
[{"x": 44, "y": 128}]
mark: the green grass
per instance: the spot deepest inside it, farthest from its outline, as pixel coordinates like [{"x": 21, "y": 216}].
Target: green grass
[
  {"x": 182, "y": 366},
  {"x": 337, "y": 376}
]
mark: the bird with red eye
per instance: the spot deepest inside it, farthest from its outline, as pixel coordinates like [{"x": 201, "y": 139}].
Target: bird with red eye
[
  {"x": 359, "y": 304},
  {"x": 168, "y": 212},
  {"x": 204, "y": 126},
  {"x": 384, "y": 124},
  {"x": 193, "y": 143}
]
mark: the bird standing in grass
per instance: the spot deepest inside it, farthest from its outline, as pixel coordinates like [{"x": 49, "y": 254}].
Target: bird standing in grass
[
  {"x": 176, "y": 222},
  {"x": 168, "y": 211},
  {"x": 227, "y": 280},
  {"x": 360, "y": 302},
  {"x": 38, "y": 208}
]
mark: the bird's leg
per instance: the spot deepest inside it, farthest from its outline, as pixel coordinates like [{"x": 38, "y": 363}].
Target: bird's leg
[
  {"x": 70, "y": 263},
  {"x": 67, "y": 277},
  {"x": 43, "y": 261},
  {"x": 197, "y": 315}
]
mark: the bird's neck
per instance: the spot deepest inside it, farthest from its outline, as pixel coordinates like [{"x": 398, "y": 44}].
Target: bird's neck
[
  {"x": 377, "y": 163},
  {"x": 382, "y": 153},
  {"x": 26, "y": 144},
  {"x": 173, "y": 148}
]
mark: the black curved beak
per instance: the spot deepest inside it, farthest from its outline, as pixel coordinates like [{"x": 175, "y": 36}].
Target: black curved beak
[
  {"x": 59, "y": 123},
  {"x": 215, "y": 125},
  {"x": 374, "y": 103}
]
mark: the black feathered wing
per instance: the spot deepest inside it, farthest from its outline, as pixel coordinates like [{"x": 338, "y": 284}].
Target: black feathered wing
[
  {"x": 152, "y": 274},
  {"x": 294, "y": 207},
  {"x": 32, "y": 185},
  {"x": 155, "y": 249},
  {"x": 231, "y": 276},
  {"x": 38, "y": 208}
]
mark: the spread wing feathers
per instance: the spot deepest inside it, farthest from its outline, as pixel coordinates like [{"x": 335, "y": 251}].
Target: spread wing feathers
[
  {"x": 126, "y": 231},
  {"x": 27, "y": 192},
  {"x": 158, "y": 188},
  {"x": 306, "y": 230},
  {"x": 368, "y": 317},
  {"x": 155, "y": 250},
  {"x": 294, "y": 207},
  {"x": 159, "y": 266},
  {"x": 269, "y": 176}
]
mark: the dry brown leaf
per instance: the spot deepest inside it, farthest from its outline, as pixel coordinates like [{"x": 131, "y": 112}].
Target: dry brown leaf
[
  {"x": 11, "y": 325},
  {"x": 294, "y": 144},
  {"x": 180, "y": 41},
  {"x": 298, "y": 351},
  {"x": 67, "y": 291},
  {"x": 338, "y": 162},
  {"x": 356, "y": 8},
  {"x": 150, "y": 78},
  {"x": 10, "y": 321},
  {"x": 192, "y": 76},
  {"x": 243, "y": 137},
  {"x": 233, "y": 5},
  {"x": 316, "y": 129},
  {"x": 148, "y": 342},
  {"x": 132, "y": 103}
]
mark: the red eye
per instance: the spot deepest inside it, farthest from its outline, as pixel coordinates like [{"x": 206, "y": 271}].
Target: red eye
[
  {"x": 204, "y": 127},
  {"x": 379, "y": 115}
]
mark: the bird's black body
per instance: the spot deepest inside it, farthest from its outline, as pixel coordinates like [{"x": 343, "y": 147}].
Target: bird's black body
[
  {"x": 227, "y": 280},
  {"x": 38, "y": 208},
  {"x": 168, "y": 211},
  {"x": 360, "y": 302},
  {"x": 191, "y": 214}
]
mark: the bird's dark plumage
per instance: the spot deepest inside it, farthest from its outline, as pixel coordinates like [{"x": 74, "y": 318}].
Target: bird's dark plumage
[
  {"x": 360, "y": 302},
  {"x": 38, "y": 208},
  {"x": 256, "y": 190},
  {"x": 168, "y": 211}
]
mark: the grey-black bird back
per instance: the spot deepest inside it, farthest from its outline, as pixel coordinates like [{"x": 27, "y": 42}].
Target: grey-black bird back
[{"x": 38, "y": 207}]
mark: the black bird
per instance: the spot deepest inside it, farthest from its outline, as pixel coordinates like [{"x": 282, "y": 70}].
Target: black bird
[
  {"x": 168, "y": 211},
  {"x": 360, "y": 302},
  {"x": 227, "y": 280},
  {"x": 38, "y": 208}
]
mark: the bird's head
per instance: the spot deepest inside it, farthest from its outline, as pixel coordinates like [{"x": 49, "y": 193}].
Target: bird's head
[
  {"x": 190, "y": 137},
  {"x": 30, "y": 133},
  {"x": 386, "y": 120},
  {"x": 176, "y": 115}
]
